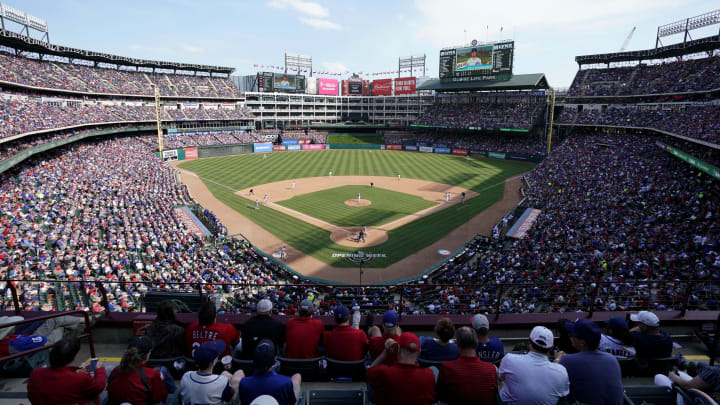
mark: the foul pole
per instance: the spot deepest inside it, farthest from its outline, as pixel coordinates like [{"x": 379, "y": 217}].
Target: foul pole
[
  {"x": 552, "y": 116},
  {"x": 157, "y": 120}
]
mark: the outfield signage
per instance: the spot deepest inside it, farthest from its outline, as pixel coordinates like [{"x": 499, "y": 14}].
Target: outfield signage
[
  {"x": 477, "y": 152},
  {"x": 461, "y": 152},
  {"x": 313, "y": 147},
  {"x": 439, "y": 145},
  {"x": 262, "y": 147},
  {"x": 294, "y": 147},
  {"x": 426, "y": 149},
  {"x": 442, "y": 150},
  {"x": 304, "y": 141},
  {"x": 705, "y": 167},
  {"x": 278, "y": 148},
  {"x": 359, "y": 257},
  {"x": 393, "y": 147},
  {"x": 290, "y": 142},
  {"x": 513, "y": 130},
  {"x": 411, "y": 147},
  {"x": 496, "y": 155},
  {"x": 191, "y": 153}
]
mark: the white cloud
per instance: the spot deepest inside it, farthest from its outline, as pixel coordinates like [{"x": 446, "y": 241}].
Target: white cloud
[
  {"x": 304, "y": 7},
  {"x": 191, "y": 49},
  {"x": 320, "y": 24},
  {"x": 334, "y": 67}
]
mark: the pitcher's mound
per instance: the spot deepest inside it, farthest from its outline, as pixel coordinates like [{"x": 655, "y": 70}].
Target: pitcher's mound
[
  {"x": 349, "y": 236},
  {"x": 354, "y": 202}
]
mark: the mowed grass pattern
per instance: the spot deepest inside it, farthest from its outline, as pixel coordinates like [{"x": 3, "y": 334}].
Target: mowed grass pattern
[
  {"x": 329, "y": 205},
  {"x": 225, "y": 175}
]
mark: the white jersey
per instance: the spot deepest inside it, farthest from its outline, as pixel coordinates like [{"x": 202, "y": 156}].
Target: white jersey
[
  {"x": 201, "y": 389},
  {"x": 615, "y": 347},
  {"x": 532, "y": 379},
  {"x": 474, "y": 61}
]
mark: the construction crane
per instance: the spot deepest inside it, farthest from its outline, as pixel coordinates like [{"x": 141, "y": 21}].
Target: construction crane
[{"x": 627, "y": 40}]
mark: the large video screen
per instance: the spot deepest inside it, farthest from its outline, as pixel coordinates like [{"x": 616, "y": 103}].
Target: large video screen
[
  {"x": 477, "y": 62},
  {"x": 284, "y": 82}
]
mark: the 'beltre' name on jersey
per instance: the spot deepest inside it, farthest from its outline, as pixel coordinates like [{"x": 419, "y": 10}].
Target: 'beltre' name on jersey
[{"x": 205, "y": 334}]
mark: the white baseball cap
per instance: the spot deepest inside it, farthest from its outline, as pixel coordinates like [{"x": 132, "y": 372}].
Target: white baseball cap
[
  {"x": 480, "y": 321},
  {"x": 542, "y": 337},
  {"x": 264, "y": 400},
  {"x": 264, "y": 306},
  {"x": 646, "y": 318}
]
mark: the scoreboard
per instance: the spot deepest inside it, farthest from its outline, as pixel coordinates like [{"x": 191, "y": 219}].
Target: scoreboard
[{"x": 491, "y": 61}]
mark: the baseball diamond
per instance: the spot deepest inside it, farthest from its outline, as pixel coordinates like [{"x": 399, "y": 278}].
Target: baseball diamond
[{"x": 228, "y": 179}]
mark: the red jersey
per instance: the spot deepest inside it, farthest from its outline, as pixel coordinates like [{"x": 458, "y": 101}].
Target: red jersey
[
  {"x": 65, "y": 386},
  {"x": 345, "y": 343},
  {"x": 195, "y": 335},
  {"x": 467, "y": 380},
  {"x": 377, "y": 345},
  {"x": 401, "y": 384},
  {"x": 128, "y": 387},
  {"x": 302, "y": 337}
]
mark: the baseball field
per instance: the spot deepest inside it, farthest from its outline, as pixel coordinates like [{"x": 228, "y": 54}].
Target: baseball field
[{"x": 318, "y": 216}]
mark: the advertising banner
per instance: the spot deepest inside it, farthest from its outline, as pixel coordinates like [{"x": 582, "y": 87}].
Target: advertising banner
[
  {"x": 355, "y": 87},
  {"x": 312, "y": 86},
  {"x": 303, "y": 141},
  {"x": 294, "y": 147},
  {"x": 461, "y": 152},
  {"x": 520, "y": 229},
  {"x": 442, "y": 150},
  {"x": 290, "y": 142},
  {"x": 262, "y": 147},
  {"x": 278, "y": 148},
  {"x": 439, "y": 145},
  {"x": 191, "y": 153},
  {"x": 393, "y": 147},
  {"x": 328, "y": 87},
  {"x": 496, "y": 155},
  {"x": 313, "y": 147},
  {"x": 170, "y": 154},
  {"x": 405, "y": 85},
  {"x": 411, "y": 147},
  {"x": 382, "y": 87},
  {"x": 476, "y": 152},
  {"x": 426, "y": 149}
]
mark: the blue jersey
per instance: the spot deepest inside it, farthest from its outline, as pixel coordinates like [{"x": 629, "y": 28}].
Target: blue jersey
[
  {"x": 491, "y": 351},
  {"x": 270, "y": 383}
]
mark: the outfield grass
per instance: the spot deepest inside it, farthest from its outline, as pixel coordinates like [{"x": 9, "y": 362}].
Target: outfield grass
[
  {"x": 225, "y": 175},
  {"x": 355, "y": 139},
  {"x": 329, "y": 205}
]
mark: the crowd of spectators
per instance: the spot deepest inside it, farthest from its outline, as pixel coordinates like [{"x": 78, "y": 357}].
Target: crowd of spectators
[
  {"x": 314, "y": 135},
  {"x": 85, "y": 78},
  {"x": 206, "y": 138},
  {"x": 699, "y": 122},
  {"x": 681, "y": 76},
  {"x": 505, "y": 143},
  {"x": 487, "y": 116}
]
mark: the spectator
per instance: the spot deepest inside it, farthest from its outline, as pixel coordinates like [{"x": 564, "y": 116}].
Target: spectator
[
  {"x": 467, "y": 380},
  {"x": 618, "y": 341},
  {"x": 489, "y": 349},
  {"x": 651, "y": 342},
  {"x": 265, "y": 381},
  {"x": 532, "y": 378},
  {"x": 595, "y": 376},
  {"x": 259, "y": 327},
  {"x": 390, "y": 330},
  {"x": 303, "y": 334},
  {"x": 707, "y": 379},
  {"x": 52, "y": 329},
  {"x": 204, "y": 387},
  {"x": 404, "y": 382},
  {"x": 207, "y": 330},
  {"x": 167, "y": 335},
  {"x": 440, "y": 348},
  {"x": 345, "y": 343},
  {"x": 62, "y": 384},
  {"x": 132, "y": 382}
]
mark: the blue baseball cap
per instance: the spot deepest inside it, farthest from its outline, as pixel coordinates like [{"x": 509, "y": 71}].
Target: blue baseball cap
[
  {"x": 616, "y": 323},
  {"x": 207, "y": 352},
  {"x": 586, "y": 330},
  {"x": 341, "y": 313},
  {"x": 264, "y": 356},
  {"x": 390, "y": 319}
]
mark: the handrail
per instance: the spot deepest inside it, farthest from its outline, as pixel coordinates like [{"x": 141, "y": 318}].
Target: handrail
[{"x": 87, "y": 334}]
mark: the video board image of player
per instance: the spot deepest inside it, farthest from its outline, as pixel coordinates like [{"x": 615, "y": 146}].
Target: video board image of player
[
  {"x": 284, "y": 82},
  {"x": 474, "y": 58}
]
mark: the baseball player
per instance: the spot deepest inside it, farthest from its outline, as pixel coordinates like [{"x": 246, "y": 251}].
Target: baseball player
[
  {"x": 265, "y": 199},
  {"x": 264, "y": 155},
  {"x": 283, "y": 253},
  {"x": 358, "y": 198},
  {"x": 398, "y": 176},
  {"x": 371, "y": 184},
  {"x": 293, "y": 185},
  {"x": 361, "y": 236},
  {"x": 364, "y": 229},
  {"x": 330, "y": 173},
  {"x": 462, "y": 198},
  {"x": 252, "y": 192},
  {"x": 449, "y": 196},
  {"x": 257, "y": 204}
]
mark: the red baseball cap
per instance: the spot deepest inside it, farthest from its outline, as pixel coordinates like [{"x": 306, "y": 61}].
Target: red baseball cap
[{"x": 409, "y": 341}]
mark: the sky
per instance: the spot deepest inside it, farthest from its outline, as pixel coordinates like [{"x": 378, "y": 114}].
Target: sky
[{"x": 359, "y": 36}]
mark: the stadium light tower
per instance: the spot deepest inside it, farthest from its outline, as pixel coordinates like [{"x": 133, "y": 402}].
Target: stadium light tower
[
  {"x": 299, "y": 62},
  {"x": 411, "y": 62},
  {"x": 28, "y": 22},
  {"x": 687, "y": 25}
]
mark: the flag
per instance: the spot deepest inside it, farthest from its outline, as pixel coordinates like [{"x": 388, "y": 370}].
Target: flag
[{"x": 501, "y": 28}]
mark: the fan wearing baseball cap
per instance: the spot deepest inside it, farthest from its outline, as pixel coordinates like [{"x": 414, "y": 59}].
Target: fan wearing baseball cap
[
  {"x": 390, "y": 330},
  {"x": 259, "y": 327},
  {"x": 595, "y": 376},
  {"x": 532, "y": 378},
  {"x": 651, "y": 342},
  {"x": 303, "y": 334},
  {"x": 489, "y": 349},
  {"x": 202, "y": 386},
  {"x": 345, "y": 342},
  {"x": 617, "y": 340},
  {"x": 265, "y": 381},
  {"x": 404, "y": 382}
]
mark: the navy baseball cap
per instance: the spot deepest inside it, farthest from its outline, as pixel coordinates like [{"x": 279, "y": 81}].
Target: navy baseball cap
[
  {"x": 617, "y": 323},
  {"x": 264, "y": 356},
  {"x": 207, "y": 352},
  {"x": 474, "y": 50},
  {"x": 390, "y": 319},
  {"x": 341, "y": 314},
  {"x": 586, "y": 330}
]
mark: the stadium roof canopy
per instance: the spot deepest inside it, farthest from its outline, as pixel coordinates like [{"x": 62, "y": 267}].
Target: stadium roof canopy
[
  {"x": 683, "y": 48},
  {"x": 533, "y": 81},
  {"x": 26, "y": 44}
]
